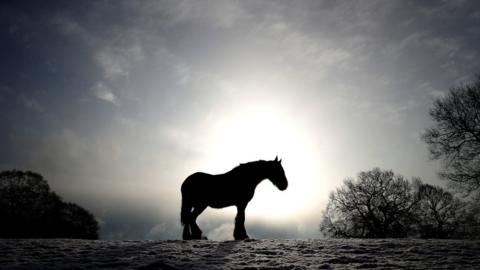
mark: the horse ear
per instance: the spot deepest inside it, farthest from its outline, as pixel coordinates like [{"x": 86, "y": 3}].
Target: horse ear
[
  {"x": 276, "y": 158},
  {"x": 280, "y": 161}
]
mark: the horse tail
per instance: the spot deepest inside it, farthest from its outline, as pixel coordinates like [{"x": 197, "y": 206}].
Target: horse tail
[{"x": 185, "y": 209}]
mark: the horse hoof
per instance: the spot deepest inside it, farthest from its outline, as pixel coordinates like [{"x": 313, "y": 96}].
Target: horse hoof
[{"x": 204, "y": 238}]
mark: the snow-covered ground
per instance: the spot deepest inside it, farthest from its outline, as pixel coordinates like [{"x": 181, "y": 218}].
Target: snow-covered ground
[{"x": 250, "y": 254}]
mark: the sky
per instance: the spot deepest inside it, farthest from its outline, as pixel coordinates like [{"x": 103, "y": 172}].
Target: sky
[{"x": 115, "y": 103}]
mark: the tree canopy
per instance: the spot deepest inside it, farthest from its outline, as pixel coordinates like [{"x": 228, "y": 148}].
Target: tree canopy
[
  {"x": 377, "y": 204},
  {"x": 440, "y": 212},
  {"x": 455, "y": 136}
]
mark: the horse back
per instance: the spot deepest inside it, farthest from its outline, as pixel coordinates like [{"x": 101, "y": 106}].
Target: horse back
[
  {"x": 197, "y": 183},
  {"x": 216, "y": 191}
]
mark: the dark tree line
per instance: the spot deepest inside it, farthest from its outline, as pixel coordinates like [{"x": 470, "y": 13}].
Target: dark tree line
[
  {"x": 29, "y": 209},
  {"x": 381, "y": 204}
]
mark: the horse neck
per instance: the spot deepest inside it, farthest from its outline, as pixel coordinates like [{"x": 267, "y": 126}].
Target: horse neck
[
  {"x": 257, "y": 179},
  {"x": 255, "y": 176}
]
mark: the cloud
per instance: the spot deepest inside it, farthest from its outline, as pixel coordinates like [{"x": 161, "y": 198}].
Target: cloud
[
  {"x": 69, "y": 27},
  {"x": 117, "y": 61},
  {"x": 446, "y": 47},
  {"x": 31, "y": 103},
  {"x": 176, "y": 67},
  {"x": 103, "y": 92},
  {"x": 396, "y": 49},
  {"x": 61, "y": 149},
  {"x": 221, "y": 14},
  {"x": 182, "y": 71}
]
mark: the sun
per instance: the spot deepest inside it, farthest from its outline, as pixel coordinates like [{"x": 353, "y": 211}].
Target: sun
[{"x": 251, "y": 132}]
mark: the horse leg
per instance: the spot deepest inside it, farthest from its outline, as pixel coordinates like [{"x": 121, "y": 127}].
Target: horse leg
[
  {"x": 239, "y": 233},
  {"x": 196, "y": 232},
  {"x": 186, "y": 232}
]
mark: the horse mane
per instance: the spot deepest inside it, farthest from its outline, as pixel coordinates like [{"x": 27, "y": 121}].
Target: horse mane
[{"x": 252, "y": 166}]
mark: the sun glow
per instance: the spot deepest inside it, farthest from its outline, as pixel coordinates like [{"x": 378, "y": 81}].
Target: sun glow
[{"x": 250, "y": 132}]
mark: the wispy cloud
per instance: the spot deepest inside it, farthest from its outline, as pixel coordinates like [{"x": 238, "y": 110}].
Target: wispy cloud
[
  {"x": 222, "y": 14},
  {"x": 31, "y": 103},
  {"x": 117, "y": 61},
  {"x": 103, "y": 92}
]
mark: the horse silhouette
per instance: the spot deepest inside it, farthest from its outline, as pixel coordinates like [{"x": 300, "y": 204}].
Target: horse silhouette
[{"x": 235, "y": 187}]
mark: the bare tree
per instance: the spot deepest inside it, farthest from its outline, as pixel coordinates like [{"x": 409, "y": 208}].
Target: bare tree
[
  {"x": 378, "y": 204},
  {"x": 469, "y": 225},
  {"x": 455, "y": 137},
  {"x": 439, "y": 212}
]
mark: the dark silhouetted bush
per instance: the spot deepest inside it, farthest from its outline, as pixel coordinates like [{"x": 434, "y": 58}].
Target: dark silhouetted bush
[{"x": 28, "y": 209}]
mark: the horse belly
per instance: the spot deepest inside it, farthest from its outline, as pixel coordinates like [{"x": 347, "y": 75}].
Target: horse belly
[
  {"x": 220, "y": 200},
  {"x": 226, "y": 198},
  {"x": 222, "y": 204}
]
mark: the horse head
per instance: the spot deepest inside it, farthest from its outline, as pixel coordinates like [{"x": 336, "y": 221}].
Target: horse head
[{"x": 277, "y": 174}]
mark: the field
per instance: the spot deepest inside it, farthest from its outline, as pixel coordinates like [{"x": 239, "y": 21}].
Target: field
[{"x": 249, "y": 254}]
